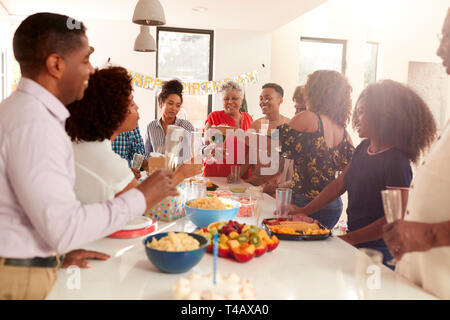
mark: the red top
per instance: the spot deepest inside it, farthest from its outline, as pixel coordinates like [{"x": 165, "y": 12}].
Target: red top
[{"x": 217, "y": 118}]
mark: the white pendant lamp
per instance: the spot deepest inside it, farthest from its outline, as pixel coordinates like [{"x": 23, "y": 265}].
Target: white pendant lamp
[
  {"x": 149, "y": 13},
  {"x": 144, "y": 41}
]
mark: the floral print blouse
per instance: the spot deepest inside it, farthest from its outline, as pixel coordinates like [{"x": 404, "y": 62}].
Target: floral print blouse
[{"x": 315, "y": 164}]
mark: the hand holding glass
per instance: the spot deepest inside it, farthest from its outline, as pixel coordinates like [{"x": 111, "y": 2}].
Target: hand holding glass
[{"x": 392, "y": 204}]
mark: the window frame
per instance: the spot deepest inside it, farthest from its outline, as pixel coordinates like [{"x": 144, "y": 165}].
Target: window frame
[
  {"x": 377, "y": 44},
  {"x": 211, "y": 56},
  {"x": 334, "y": 41}
]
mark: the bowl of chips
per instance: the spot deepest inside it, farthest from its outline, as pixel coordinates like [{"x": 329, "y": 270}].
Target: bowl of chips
[{"x": 204, "y": 211}]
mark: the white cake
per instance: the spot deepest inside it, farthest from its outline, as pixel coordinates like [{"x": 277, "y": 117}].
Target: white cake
[{"x": 227, "y": 287}]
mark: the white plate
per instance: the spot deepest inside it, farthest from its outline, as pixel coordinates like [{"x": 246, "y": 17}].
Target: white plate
[{"x": 138, "y": 223}]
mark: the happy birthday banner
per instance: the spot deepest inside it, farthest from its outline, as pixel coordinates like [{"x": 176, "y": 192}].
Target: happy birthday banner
[{"x": 192, "y": 87}]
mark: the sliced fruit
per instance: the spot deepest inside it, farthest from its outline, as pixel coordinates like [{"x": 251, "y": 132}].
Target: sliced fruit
[
  {"x": 224, "y": 250},
  {"x": 255, "y": 240},
  {"x": 233, "y": 244},
  {"x": 253, "y": 230},
  {"x": 263, "y": 235},
  {"x": 244, "y": 253},
  {"x": 233, "y": 235},
  {"x": 261, "y": 249},
  {"x": 223, "y": 239},
  {"x": 273, "y": 243},
  {"x": 246, "y": 227},
  {"x": 242, "y": 238}
]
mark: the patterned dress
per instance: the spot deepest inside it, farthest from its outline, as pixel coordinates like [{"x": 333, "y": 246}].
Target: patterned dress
[{"x": 315, "y": 164}]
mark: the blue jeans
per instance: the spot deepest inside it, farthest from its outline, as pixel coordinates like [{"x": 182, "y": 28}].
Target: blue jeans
[{"x": 328, "y": 215}]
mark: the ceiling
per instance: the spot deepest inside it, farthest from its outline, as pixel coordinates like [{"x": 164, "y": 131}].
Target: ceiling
[{"x": 256, "y": 15}]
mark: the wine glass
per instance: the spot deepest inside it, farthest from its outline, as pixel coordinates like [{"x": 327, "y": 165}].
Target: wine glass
[{"x": 392, "y": 204}]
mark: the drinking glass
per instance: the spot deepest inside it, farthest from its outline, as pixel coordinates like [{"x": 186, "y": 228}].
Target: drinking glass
[
  {"x": 392, "y": 204},
  {"x": 198, "y": 189},
  {"x": 235, "y": 174},
  {"x": 283, "y": 198},
  {"x": 256, "y": 195},
  {"x": 137, "y": 161}
]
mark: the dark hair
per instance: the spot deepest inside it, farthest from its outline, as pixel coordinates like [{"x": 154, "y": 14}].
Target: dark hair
[
  {"x": 103, "y": 108},
  {"x": 171, "y": 87},
  {"x": 42, "y": 34},
  {"x": 398, "y": 117},
  {"x": 329, "y": 92},
  {"x": 298, "y": 95},
  {"x": 275, "y": 87}
]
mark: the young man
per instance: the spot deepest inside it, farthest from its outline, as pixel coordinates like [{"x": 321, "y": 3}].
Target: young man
[
  {"x": 127, "y": 144},
  {"x": 270, "y": 100},
  {"x": 40, "y": 216}
]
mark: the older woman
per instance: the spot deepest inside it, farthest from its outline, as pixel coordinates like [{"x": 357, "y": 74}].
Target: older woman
[
  {"x": 318, "y": 142},
  {"x": 230, "y": 116},
  {"x": 169, "y": 100}
]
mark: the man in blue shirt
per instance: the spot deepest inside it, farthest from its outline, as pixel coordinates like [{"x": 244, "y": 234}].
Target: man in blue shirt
[{"x": 127, "y": 144}]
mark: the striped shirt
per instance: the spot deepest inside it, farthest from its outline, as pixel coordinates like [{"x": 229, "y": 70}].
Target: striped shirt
[
  {"x": 155, "y": 138},
  {"x": 128, "y": 143}
]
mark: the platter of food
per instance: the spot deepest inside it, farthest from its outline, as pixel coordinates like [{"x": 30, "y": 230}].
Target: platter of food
[
  {"x": 285, "y": 229},
  {"x": 240, "y": 242}
]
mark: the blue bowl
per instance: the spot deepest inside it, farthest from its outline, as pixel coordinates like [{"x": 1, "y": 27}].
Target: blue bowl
[
  {"x": 204, "y": 217},
  {"x": 175, "y": 262}
]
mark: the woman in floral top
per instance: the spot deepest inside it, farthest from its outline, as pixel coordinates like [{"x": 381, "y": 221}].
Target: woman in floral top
[{"x": 317, "y": 141}]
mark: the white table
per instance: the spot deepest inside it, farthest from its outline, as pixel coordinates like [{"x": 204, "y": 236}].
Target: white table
[{"x": 295, "y": 270}]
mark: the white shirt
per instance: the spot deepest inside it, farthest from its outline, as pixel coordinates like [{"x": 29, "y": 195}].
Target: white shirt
[
  {"x": 100, "y": 173},
  {"x": 39, "y": 211},
  {"x": 429, "y": 202}
]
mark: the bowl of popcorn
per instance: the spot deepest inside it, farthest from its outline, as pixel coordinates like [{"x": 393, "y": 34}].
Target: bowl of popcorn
[
  {"x": 204, "y": 211},
  {"x": 175, "y": 252}
]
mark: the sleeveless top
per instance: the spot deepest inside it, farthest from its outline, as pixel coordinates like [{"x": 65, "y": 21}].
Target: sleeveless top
[{"x": 315, "y": 164}]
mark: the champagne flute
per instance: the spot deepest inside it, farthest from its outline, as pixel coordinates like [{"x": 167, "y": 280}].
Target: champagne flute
[{"x": 392, "y": 204}]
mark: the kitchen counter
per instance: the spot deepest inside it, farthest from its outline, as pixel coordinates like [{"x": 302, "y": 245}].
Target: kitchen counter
[{"x": 328, "y": 269}]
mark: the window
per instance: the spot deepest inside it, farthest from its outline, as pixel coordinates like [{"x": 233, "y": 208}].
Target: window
[
  {"x": 321, "y": 54},
  {"x": 370, "y": 63},
  {"x": 187, "y": 55}
]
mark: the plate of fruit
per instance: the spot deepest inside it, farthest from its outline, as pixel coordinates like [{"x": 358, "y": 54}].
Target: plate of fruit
[
  {"x": 285, "y": 229},
  {"x": 241, "y": 242}
]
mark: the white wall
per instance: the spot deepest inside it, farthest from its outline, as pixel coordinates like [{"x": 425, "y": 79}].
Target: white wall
[
  {"x": 405, "y": 29},
  {"x": 235, "y": 52}
]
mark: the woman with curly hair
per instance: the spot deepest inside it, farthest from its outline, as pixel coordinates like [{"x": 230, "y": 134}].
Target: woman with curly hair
[
  {"x": 169, "y": 100},
  {"x": 318, "y": 143},
  {"x": 397, "y": 126},
  {"x": 106, "y": 110}
]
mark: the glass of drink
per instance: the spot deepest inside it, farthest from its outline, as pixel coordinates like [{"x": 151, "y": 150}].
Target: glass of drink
[
  {"x": 198, "y": 188},
  {"x": 137, "y": 161},
  {"x": 235, "y": 174},
  {"x": 256, "y": 195},
  {"x": 283, "y": 198},
  {"x": 392, "y": 204}
]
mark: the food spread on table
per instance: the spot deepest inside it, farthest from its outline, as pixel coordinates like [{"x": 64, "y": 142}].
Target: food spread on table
[{"x": 241, "y": 242}]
